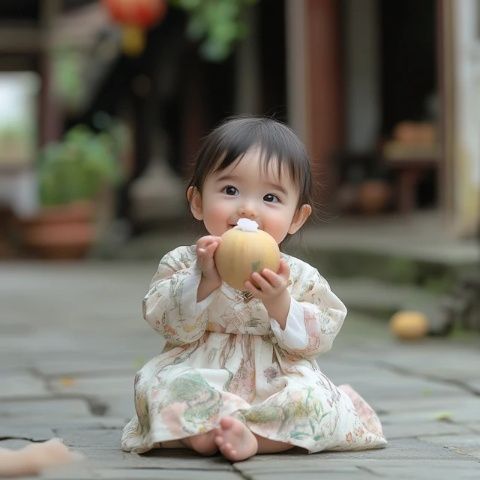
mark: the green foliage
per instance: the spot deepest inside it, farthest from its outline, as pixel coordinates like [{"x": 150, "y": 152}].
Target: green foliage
[
  {"x": 217, "y": 23},
  {"x": 68, "y": 67},
  {"x": 78, "y": 167}
]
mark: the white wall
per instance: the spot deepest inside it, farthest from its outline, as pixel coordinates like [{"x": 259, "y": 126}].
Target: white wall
[{"x": 362, "y": 77}]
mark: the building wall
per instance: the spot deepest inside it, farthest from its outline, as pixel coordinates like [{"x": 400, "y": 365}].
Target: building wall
[
  {"x": 362, "y": 77},
  {"x": 464, "y": 174}
]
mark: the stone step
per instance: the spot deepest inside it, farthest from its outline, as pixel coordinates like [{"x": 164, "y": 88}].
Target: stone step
[
  {"x": 380, "y": 300},
  {"x": 393, "y": 267},
  {"x": 381, "y": 253}
]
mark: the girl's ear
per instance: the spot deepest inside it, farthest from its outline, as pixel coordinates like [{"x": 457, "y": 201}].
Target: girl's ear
[
  {"x": 300, "y": 218},
  {"x": 194, "y": 198}
]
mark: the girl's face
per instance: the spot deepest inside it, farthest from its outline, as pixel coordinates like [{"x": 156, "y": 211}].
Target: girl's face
[{"x": 246, "y": 190}]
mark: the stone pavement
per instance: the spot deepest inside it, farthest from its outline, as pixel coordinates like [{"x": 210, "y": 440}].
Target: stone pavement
[{"x": 72, "y": 338}]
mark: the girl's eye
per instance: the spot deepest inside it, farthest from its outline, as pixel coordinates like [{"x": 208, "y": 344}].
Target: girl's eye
[
  {"x": 230, "y": 190},
  {"x": 271, "y": 198}
]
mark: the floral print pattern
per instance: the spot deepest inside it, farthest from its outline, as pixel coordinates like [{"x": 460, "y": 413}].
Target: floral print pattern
[{"x": 225, "y": 356}]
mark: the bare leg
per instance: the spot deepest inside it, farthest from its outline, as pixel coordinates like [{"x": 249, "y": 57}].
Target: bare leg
[
  {"x": 265, "y": 445},
  {"x": 172, "y": 444}
]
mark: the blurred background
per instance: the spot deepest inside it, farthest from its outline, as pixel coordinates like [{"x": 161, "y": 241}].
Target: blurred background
[{"x": 104, "y": 103}]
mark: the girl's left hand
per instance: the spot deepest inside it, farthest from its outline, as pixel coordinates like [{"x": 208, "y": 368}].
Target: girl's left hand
[{"x": 268, "y": 285}]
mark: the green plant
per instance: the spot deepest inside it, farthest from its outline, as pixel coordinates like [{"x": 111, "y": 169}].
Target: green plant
[
  {"x": 77, "y": 167},
  {"x": 219, "y": 24}
]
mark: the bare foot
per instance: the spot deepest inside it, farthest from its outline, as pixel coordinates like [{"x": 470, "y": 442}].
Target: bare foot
[
  {"x": 234, "y": 440},
  {"x": 203, "y": 444}
]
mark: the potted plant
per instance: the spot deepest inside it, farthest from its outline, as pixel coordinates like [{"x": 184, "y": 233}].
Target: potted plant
[{"x": 72, "y": 175}]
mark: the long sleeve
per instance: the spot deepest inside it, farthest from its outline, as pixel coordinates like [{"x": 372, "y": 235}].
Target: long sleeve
[
  {"x": 315, "y": 317},
  {"x": 171, "y": 306}
]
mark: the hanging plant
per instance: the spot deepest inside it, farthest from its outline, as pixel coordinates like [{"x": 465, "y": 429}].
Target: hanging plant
[{"x": 217, "y": 24}]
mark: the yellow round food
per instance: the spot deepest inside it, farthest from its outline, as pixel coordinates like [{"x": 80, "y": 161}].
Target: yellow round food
[
  {"x": 243, "y": 250},
  {"x": 409, "y": 325}
]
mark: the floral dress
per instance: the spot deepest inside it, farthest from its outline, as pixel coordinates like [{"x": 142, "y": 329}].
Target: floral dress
[{"x": 224, "y": 356}]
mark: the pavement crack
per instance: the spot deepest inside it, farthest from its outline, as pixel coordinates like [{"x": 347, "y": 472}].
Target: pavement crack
[
  {"x": 242, "y": 474},
  {"x": 96, "y": 406},
  {"x": 33, "y": 440},
  {"x": 368, "y": 470},
  {"x": 433, "y": 378}
]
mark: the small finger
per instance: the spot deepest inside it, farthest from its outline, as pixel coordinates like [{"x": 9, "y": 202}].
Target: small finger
[
  {"x": 250, "y": 287},
  {"x": 260, "y": 281},
  {"x": 274, "y": 279},
  {"x": 212, "y": 247}
]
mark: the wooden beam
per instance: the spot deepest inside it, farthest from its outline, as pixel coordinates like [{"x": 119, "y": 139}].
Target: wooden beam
[
  {"x": 20, "y": 39},
  {"x": 49, "y": 110}
]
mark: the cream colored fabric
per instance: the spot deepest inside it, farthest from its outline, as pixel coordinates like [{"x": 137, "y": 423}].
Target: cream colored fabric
[{"x": 225, "y": 356}]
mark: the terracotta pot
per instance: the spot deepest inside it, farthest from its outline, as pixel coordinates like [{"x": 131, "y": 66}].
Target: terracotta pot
[
  {"x": 373, "y": 196},
  {"x": 64, "y": 232},
  {"x": 74, "y": 212}
]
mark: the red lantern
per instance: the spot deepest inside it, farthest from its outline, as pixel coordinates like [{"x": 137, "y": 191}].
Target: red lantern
[{"x": 135, "y": 16}]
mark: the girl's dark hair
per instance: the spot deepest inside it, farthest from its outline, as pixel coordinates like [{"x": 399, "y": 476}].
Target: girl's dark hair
[{"x": 231, "y": 140}]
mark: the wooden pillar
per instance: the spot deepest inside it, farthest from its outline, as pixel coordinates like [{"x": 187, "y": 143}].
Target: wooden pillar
[
  {"x": 324, "y": 92},
  {"x": 194, "y": 122},
  {"x": 459, "y": 75},
  {"x": 49, "y": 111}
]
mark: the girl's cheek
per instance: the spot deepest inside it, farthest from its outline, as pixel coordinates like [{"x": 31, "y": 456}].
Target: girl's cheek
[{"x": 219, "y": 210}]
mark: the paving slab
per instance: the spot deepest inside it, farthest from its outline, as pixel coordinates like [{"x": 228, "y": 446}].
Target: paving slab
[
  {"x": 56, "y": 423},
  {"x": 97, "y": 384},
  {"x": 90, "y": 437},
  {"x": 172, "y": 474},
  {"x": 44, "y": 408},
  {"x": 334, "y": 473},
  {"x": 460, "y": 408},
  {"x": 68, "y": 356},
  {"x": 466, "y": 444},
  {"x": 18, "y": 383},
  {"x": 419, "y": 429},
  {"x": 80, "y": 364},
  {"x": 113, "y": 457},
  {"x": 420, "y": 470},
  {"x": 25, "y": 432},
  {"x": 461, "y": 363}
]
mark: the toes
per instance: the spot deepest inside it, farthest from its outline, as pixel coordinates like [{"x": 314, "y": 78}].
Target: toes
[
  {"x": 226, "y": 423},
  {"x": 228, "y": 451},
  {"x": 231, "y": 455}
]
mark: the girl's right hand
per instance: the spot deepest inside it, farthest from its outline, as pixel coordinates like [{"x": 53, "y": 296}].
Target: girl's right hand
[{"x": 206, "y": 247}]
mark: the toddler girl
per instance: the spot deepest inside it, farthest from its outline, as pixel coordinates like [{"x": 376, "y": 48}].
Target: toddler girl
[{"x": 238, "y": 373}]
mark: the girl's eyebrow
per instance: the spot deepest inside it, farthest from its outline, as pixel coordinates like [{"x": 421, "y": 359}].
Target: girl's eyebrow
[
  {"x": 275, "y": 186},
  {"x": 226, "y": 178},
  {"x": 278, "y": 187}
]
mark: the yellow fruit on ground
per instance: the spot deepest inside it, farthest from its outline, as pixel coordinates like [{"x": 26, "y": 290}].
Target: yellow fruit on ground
[
  {"x": 409, "y": 325},
  {"x": 243, "y": 250}
]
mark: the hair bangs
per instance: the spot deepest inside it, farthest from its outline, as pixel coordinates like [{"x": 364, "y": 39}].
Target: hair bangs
[{"x": 279, "y": 148}]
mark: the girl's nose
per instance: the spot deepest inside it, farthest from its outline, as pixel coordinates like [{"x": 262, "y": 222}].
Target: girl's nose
[{"x": 247, "y": 211}]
